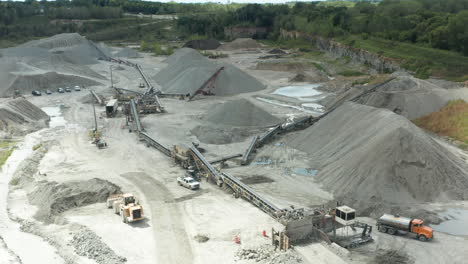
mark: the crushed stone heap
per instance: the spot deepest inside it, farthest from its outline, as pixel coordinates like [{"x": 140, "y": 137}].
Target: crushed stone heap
[
  {"x": 412, "y": 97},
  {"x": 372, "y": 157},
  {"x": 48, "y": 60},
  {"x": 240, "y": 113},
  {"x": 188, "y": 70},
  {"x": 19, "y": 116}
]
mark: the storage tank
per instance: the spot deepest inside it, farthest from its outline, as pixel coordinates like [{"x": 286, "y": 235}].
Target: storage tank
[{"x": 397, "y": 222}]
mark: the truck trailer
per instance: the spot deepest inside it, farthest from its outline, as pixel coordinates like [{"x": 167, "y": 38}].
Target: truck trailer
[
  {"x": 111, "y": 107},
  {"x": 391, "y": 224}
]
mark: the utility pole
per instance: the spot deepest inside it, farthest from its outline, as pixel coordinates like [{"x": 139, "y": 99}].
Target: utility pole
[
  {"x": 112, "y": 83},
  {"x": 95, "y": 119}
]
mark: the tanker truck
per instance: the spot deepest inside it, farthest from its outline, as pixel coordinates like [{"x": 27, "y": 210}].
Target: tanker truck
[{"x": 391, "y": 224}]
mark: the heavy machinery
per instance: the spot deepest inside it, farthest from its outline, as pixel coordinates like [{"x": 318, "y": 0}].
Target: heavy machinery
[
  {"x": 392, "y": 224},
  {"x": 182, "y": 155},
  {"x": 126, "y": 206}
]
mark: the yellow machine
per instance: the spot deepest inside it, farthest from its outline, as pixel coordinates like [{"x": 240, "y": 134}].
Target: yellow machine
[{"x": 126, "y": 206}]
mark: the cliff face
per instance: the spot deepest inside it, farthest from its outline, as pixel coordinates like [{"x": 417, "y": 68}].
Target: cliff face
[{"x": 377, "y": 62}]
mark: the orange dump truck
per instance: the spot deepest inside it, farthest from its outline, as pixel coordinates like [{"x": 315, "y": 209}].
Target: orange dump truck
[{"x": 391, "y": 224}]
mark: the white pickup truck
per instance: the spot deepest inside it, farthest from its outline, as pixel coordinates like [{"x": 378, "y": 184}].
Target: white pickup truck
[{"x": 188, "y": 182}]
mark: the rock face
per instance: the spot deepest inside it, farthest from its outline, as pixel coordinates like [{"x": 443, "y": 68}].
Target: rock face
[
  {"x": 379, "y": 63},
  {"x": 376, "y": 159}
]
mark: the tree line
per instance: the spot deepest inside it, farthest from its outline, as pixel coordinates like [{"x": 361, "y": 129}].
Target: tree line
[{"x": 434, "y": 23}]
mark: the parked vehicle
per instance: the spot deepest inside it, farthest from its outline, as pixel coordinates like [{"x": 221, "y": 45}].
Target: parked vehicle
[
  {"x": 68, "y": 90},
  {"x": 188, "y": 182},
  {"x": 391, "y": 224},
  {"x": 60, "y": 90},
  {"x": 36, "y": 93},
  {"x": 48, "y": 92},
  {"x": 77, "y": 88}
]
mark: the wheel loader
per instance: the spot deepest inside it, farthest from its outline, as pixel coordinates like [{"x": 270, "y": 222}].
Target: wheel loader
[{"x": 126, "y": 206}]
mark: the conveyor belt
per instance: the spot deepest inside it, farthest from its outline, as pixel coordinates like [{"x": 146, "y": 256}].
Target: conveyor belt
[
  {"x": 222, "y": 159},
  {"x": 205, "y": 163},
  {"x": 136, "y": 118},
  {"x": 98, "y": 99},
  {"x": 127, "y": 90},
  {"x": 268, "y": 135},
  {"x": 155, "y": 144},
  {"x": 244, "y": 191},
  {"x": 150, "y": 90},
  {"x": 249, "y": 150}
]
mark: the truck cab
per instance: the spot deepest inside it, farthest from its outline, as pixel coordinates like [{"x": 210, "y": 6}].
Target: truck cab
[{"x": 424, "y": 232}]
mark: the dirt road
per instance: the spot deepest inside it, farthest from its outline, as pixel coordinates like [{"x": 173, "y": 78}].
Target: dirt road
[{"x": 167, "y": 220}]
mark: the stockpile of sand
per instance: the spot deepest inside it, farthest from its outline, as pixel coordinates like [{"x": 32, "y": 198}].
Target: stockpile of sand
[
  {"x": 53, "y": 198},
  {"x": 19, "y": 116},
  {"x": 50, "y": 80},
  {"x": 48, "y": 63},
  {"x": 188, "y": 70},
  {"x": 412, "y": 97},
  {"x": 203, "y": 44},
  {"x": 127, "y": 53},
  {"x": 240, "y": 113},
  {"x": 240, "y": 43},
  {"x": 375, "y": 159}
]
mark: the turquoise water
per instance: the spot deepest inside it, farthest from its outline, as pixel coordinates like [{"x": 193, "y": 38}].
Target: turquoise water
[
  {"x": 305, "y": 171},
  {"x": 457, "y": 223}
]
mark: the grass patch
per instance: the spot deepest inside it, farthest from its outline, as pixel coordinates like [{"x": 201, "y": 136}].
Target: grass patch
[
  {"x": 423, "y": 61},
  {"x": 351, "y": 73},
  {"x": 37, "y": 146},
  {"x": 450, "y": 121},
  {"x": 14, "y": 181},
  {"x": 4, "y": 155}
]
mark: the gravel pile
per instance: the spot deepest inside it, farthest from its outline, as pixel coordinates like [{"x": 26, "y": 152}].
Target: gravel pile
[
  {"x": 47, "y": 81},
  {"x": 53, "y": 198},
  {"x": 267, "y": 254},
  {"x": 188, "y": 70},
  {"x": 240, "y": 43},
  {"x": 240, "y": 113},
  {"x": 88, "y": 244},
  {"x": 412, "y": 97},
  {"x": 375, "y": 159},
  {"x": 19, "y": 116},
  {"x": 37, "y": 61}
]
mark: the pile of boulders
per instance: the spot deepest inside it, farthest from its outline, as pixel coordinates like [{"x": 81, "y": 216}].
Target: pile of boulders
[
  {"x": 88, "y": 244},
  {"x": 267, "y": 254}
]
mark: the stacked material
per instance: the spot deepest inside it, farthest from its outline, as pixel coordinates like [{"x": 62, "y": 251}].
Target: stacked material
[
  {"x": 375, "y": 158},
  {"x": 203, "y": 44},
  {"x": 19, "y": 116},
  {"x": 412, "y": 97},
  {"x": 188, "y": 70},
  {"x": 53, "y": 198},
  {"x": 48, "y": 60},
  {"x": 50, "y": 80},
  {"x": 241, "y": 113},
  {"x": 240, "y": 43}
]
